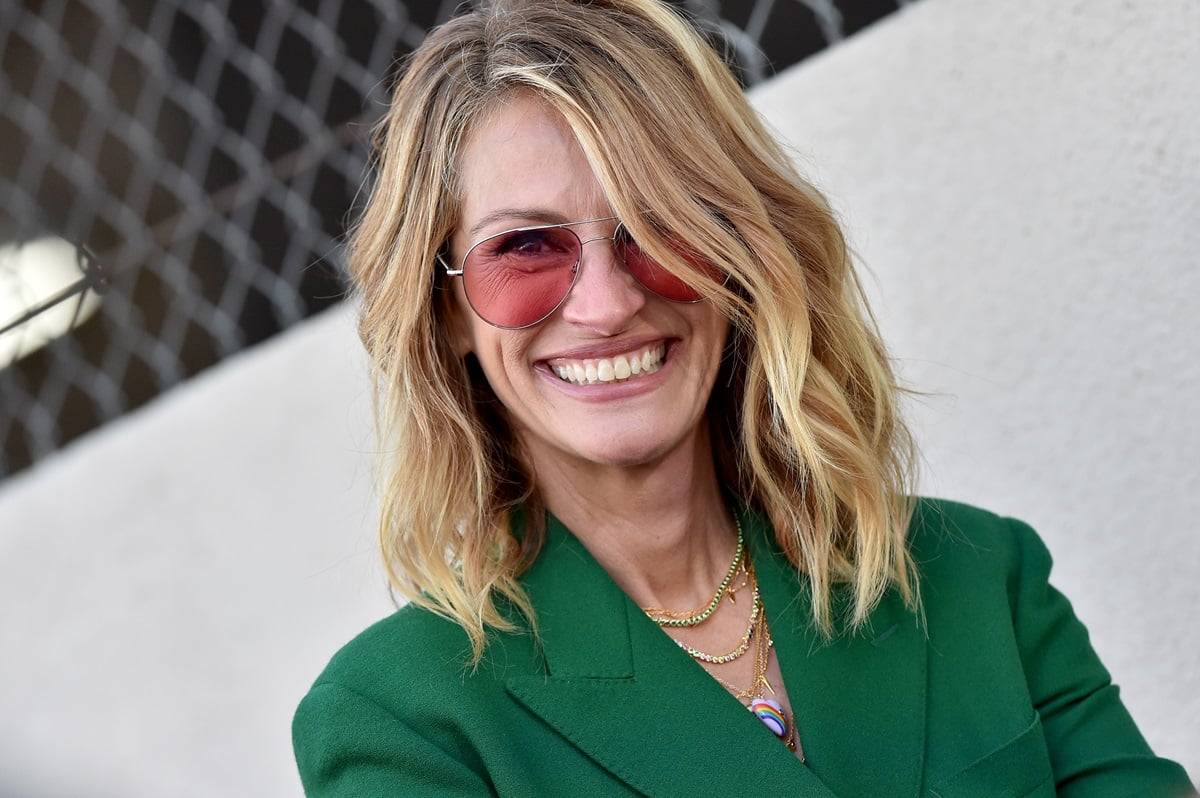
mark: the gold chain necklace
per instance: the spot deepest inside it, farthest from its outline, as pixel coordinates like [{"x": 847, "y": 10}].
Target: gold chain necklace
[
  {"x": 685, "y": 618},
  {"x": 756, "y": 613},
  {"x": 780, "y": 721},
  {"x": 754, "y": 697},
  {"x": 759, "y": 685}
]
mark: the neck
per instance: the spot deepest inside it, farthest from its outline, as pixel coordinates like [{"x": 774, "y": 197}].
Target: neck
[{"x": 660, "y": 529}]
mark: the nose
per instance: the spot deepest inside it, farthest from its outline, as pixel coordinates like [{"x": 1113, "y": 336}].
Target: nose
[{"x": 605, "y": 297}]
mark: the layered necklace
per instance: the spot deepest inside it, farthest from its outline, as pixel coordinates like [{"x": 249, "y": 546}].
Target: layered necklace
[{"x": 757, "y": 638}]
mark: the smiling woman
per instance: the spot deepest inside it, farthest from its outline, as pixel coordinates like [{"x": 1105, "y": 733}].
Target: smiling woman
[{"x": 644, "y": 471}]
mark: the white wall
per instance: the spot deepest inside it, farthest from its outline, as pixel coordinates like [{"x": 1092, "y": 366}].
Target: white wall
[
  {"x": 171, "y": 585},
  {"x": 1023, "y": 180}
]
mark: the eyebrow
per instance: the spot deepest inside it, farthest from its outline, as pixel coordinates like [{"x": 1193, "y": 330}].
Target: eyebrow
[{"x": 521, "y": 215}]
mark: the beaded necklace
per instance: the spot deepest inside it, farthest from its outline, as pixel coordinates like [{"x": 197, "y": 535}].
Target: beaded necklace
[
  {"x": 684, "y": 618},
  {"x": 743, "y": 645}
]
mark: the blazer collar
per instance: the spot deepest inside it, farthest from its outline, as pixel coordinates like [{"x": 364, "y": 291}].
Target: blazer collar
[
  {"x": 858, "y": 699},
  {"x": 624, "y": 694}
]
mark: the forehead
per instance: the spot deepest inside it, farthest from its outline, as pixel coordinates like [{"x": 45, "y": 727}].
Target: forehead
[{"x": 522, "y": 164}]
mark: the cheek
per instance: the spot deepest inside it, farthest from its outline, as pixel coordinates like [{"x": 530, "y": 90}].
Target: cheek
[
  {"x": 501, "y": 353},
  {"x": 713, "y": 326}
]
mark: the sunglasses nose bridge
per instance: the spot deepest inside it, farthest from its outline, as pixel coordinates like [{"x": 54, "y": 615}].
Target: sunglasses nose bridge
[
  {"x": 589, "y": 239},
  {"x": 583, "y": 241},
  {"x": 617, "y": 255}
]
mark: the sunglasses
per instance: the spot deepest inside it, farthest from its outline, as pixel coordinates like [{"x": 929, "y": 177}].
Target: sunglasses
[{"x": 518, "y": 278}]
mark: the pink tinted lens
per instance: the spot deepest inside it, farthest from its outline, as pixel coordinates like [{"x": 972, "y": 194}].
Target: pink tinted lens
[
  {"x": 516, "y": 279},
  {"x": 653, "y": 276}
]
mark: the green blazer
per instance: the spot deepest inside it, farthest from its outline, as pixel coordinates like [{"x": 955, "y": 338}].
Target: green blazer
[{"x": 998, "y": 694}]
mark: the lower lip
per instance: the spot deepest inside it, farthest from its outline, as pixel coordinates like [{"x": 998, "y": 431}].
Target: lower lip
[{"x": 617, "y": 389}]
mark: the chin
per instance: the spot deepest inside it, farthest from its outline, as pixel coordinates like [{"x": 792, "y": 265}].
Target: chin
[
  {"x": 626, "y": 454},
  {"x": 628, "y": 442}
]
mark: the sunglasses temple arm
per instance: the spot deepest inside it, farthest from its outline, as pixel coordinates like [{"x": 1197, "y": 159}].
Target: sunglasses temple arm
[{"x": 449, "y": 272}]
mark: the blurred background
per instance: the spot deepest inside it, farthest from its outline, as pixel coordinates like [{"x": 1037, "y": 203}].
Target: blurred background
[{"x": 1022, "y": 182}]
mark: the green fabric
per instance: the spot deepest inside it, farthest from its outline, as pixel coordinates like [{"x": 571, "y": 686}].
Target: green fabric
[{"x": 998, "y": 694}]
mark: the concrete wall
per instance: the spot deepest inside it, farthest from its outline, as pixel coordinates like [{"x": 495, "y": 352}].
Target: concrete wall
[
  {"x": 1023, "y": 181},
  {"x": 171, "y": 585}
]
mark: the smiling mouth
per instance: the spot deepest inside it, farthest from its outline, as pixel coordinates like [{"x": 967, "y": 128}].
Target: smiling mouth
[{"x": 621, "y": 368}]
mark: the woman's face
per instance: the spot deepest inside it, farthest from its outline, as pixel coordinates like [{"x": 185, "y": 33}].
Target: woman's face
[{"x": 524, "y": 167}]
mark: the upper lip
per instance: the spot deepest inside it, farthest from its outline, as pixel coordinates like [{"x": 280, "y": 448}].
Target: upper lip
[{"x": 603, "y": 349}]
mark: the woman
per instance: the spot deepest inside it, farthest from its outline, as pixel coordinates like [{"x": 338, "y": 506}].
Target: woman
[{"x": 644, "y": 469}]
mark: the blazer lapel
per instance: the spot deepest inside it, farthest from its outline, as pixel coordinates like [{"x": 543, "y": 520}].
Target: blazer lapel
[
  {"x": 859, "y": 700},
  {"x": 619, "y": 690}
]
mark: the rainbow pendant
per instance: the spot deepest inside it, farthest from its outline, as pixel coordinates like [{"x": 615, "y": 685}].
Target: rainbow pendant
[{"x": 772, "y": 715}]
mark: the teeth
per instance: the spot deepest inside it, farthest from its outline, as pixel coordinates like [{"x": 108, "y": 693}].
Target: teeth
[{"x": 621, "y": 367}]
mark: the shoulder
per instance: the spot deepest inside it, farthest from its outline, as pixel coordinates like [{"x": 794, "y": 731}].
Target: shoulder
[
  {"x": 1000, "y": 635},
  {"x": 415, "y": 654},
  {"x": 943, "y": 530},
  {"x": 401, "y": 710},
  {"x": 405, "y": 692},
  {"x": 395, "y": 644},
  {"x": 974, "y": 556}
]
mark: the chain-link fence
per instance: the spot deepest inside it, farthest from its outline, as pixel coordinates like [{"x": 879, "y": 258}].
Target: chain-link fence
[{"x": 204, "y": 158}]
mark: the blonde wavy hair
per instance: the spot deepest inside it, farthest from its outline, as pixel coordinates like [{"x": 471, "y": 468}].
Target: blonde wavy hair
[{"x": 804, "y": 415}]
